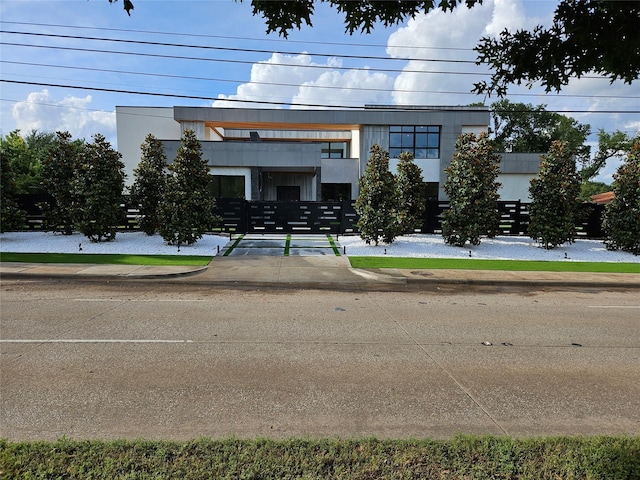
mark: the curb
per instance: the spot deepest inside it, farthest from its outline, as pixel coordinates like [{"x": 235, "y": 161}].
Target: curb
[{"x": 186, "y": 273}]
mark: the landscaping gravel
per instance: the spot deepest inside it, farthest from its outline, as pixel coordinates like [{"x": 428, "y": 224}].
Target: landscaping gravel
[{"x": 426, "y": 246}]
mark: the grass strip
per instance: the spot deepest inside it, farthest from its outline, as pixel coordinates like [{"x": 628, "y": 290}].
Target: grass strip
[
  {"x": 287, "y": 245},
  {"x": 235, "y": 244},
  {"x": 483, "y": 264},
  {"x": 335, "y": 248},
  {"x": 469, "y": 457},
  {"x": 106, "y": 259}
]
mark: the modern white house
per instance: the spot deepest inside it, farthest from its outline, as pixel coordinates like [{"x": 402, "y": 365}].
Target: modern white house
[{"x": 309, "y": 155}]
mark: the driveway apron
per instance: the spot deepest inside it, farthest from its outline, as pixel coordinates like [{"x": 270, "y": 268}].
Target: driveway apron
[{"x": 280, "y": 244}]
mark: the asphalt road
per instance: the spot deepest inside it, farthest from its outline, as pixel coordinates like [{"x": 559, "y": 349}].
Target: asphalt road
[{"x": 132, "y": 360}]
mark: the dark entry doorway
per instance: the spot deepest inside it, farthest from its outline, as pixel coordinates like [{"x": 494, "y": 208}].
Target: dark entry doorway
[{"x": 288, "y": 193}]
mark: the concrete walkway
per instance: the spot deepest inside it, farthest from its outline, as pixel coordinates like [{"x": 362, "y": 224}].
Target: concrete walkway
[{"x": 308, "y": 260}]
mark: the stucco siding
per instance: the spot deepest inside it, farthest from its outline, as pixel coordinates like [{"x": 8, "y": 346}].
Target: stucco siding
[{"x": 133, "y": 124}]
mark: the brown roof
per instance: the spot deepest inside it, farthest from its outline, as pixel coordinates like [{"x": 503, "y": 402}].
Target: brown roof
[{"x": 602, "y": 198}]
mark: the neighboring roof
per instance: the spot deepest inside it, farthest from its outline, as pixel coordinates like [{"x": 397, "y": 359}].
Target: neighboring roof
[{"x": 602, "y": 198}]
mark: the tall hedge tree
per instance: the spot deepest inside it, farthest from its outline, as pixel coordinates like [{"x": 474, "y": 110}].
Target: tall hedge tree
[
  {"x": 377, "y": 203},
  {"x": 150, "y": 183},
  {"x": 622, "y": 215},
  {"x": 58, "y": 174},
  {"x": 98, "y": 186},
  {"x": 554, "y": 196},
  {"x": 186, "y": 210},
  {"x": 11, "y": 217},
  {"x": 472, "y": 188},
  {"x": 410, "y": 191}
]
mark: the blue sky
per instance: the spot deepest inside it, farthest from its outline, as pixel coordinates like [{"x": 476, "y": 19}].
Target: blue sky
[{"x": 319, "y": 66}]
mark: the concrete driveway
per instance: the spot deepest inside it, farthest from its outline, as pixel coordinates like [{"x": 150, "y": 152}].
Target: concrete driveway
[{"x": 280, "y": 244}]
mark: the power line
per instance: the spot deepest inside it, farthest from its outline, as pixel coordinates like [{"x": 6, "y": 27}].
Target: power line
[
  {"x": 225, "y": 37},
  {"x": 261, "y": 102},
  {"x": 245, "y": 62},
  {"x": 211, "y": 79},
  {"x": 330, "y": 87},
  {"x": 236, "y": 49},
  {"x": 170, "y": 95}
]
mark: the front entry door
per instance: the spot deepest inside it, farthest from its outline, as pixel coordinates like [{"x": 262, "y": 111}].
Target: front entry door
[{"x": 288, "y": 194}]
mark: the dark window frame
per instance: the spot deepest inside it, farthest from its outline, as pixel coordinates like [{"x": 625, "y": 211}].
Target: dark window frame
[
  {"x": 423, "y": 141},
  {"x": 341, "y": 150}
]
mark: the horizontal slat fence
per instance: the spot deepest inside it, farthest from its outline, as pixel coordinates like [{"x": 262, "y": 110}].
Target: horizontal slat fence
[{"x": 242, "y": 216}]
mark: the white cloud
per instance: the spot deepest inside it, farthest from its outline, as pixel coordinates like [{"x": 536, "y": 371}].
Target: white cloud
[
  {"x": 422, "y": 41},
  {"x": 351, "y": 88},
  {"x": 507, "y": 14},
  {"x": 42, "y": 112},
  {"x": 301, "y": 81}
]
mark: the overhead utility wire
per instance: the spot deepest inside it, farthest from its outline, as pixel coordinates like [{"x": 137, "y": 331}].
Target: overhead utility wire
[
  {"x": 210, "y": 79},
  {"x": 225, "y": 37},
  {"x": 180, "y": 57},
  {"x": 236, "y": 49},
  {"x": 227, "y": 80},
  {"x": 172, "y": 95},
  {"x": 259, "y": 102}
]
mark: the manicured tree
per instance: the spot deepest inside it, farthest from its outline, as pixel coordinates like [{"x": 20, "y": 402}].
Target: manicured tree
[
  {"x": 186, "y": 210},
  {"x": 148, "y": 189},
  {"x": 11, "y": 216},
  {"x": 472, "y": 188},
  {"x": 98, "y": 189},
  {"x": 410, "y": 191},
  {"x": 622, "y": 215},
  {"x": 554, "y": 196},
  {"x": 58, "y": 174},
  {"x": 377, "y": 203}
]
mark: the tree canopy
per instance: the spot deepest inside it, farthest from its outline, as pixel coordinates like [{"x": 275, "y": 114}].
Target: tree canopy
[
  {"x": 520, "y": 127},
  {"x": 586, "y": 36}
]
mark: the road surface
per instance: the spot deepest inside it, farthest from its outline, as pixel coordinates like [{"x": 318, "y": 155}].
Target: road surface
[{"x": 180, "y": 361}]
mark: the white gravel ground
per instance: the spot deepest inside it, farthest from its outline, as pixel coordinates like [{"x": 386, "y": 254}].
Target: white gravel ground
[{"x": 427, "y": 246}]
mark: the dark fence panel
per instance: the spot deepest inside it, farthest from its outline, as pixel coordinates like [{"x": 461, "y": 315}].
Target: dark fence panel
[
  {"x": 589, "y": 221},
  {"x": 242, "y": 216},
  {"x": 349, "y": 217},
  {"x": 311, "y": 217},
  {"x": 30, "y": 203},
  {"x": 233, "y": 212},
  {"x": 432, "y": 218}
]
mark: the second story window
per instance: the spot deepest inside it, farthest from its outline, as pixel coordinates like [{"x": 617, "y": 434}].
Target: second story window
[
  {"x": 421, "y": 141},
  {"x": 335, "y": 150}
]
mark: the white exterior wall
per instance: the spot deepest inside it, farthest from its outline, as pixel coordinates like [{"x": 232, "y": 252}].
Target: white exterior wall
[
  {"x": 430, "y": 168},
  {"x": 134, "y": 124},
  {"x": 515, "y": 186}
]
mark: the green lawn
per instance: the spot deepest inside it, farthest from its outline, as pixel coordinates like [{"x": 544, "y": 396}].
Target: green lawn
[
  {"x": 463, "y": 457},
  {"x": 114, "y": 259},
  {"x": 481, "y": 264}
]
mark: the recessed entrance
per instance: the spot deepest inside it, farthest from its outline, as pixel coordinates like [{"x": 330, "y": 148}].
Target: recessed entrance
[{"x": 288, "y": 193}]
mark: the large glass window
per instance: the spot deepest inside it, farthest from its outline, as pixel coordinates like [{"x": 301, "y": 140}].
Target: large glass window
[
  {"x": 227, "y": 186},
  {"x": 335, "y": 150},
  {"x": 336, "y": 192},
  {"x": 421, "y": 141}
]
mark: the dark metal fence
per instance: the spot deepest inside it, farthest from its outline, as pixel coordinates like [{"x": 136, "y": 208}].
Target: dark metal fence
[{"x": 242, "y": 216}]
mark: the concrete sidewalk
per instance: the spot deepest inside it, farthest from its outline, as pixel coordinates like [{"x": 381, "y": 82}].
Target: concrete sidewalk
[{"x": 312, "y": 270}]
